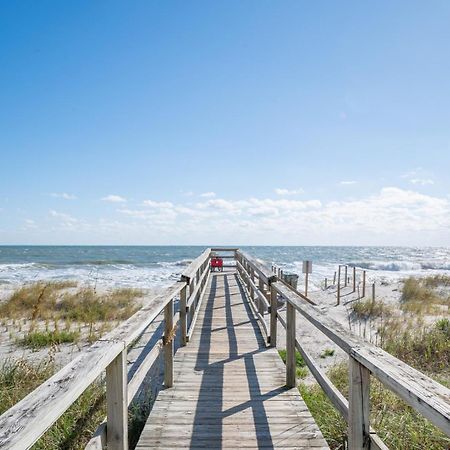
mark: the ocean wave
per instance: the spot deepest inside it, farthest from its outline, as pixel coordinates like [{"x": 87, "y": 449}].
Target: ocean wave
[{"x": 389, "y": 266}]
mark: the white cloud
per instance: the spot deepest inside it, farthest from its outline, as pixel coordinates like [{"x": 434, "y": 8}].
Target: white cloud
[
  {"x": 421, "y": 181},
  {"x": 347, "y": 183},
  {"x": 284, "y": 192},
  {"x": 419, "y": 177},
  {"x": 114, "y": 199},
  {"x": 153, "y": 204},
  {"x": 208, "y": 195},
  {"x": 30, "y": 224},
  {"x": 390, "y": 216},
  {"x": 63, "y": 195}
]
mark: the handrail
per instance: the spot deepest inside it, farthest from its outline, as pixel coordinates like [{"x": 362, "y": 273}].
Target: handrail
[
  {"x": 265, "y": 273},
  {"x": 25, "y": 422},
  {"x": 428, "y": 397},
  {"x": 190, "y": 271}
]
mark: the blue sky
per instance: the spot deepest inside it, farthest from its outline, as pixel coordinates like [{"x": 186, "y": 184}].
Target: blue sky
[{"x": 240, "y": 122}]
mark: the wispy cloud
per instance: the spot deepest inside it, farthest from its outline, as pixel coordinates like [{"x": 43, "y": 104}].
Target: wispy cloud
[
  {"x": 114, "y": 199},
  {"x": 419, "y": 177},
  {"x": 154, "y": 204},
  {"x": 208, "y": 194},
  {"x": 421, "y": 181},
  {"x": 284, "y": 192},
  {"x": 347, "y": 183},
  {"x": 63, "y": 195}
]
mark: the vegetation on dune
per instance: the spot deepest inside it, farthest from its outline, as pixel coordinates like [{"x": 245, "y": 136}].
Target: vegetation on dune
[
  {"x": 396, "y": 423},
  {"x": 365, "y": 309},
  {"x": 39, "y": 339},
  {"x": 43, "y": 301},
  {"x": 422, "y": 295},
  {"x": 301, "y": 369}
]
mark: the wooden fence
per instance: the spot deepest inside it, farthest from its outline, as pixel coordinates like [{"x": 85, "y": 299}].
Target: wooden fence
[
  {"x": 23, "y": 424},
  {"x": 426, "y": 396}
]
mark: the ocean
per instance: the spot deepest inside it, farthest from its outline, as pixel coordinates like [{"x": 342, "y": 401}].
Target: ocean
[{"x": 158, "y": 266}]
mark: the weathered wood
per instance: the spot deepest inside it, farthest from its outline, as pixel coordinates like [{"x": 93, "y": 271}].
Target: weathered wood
[
  {"x": 198, "y": 286},
  {"x": 117, "y": 403},
  {"x": 183, "y": 317},
  {"x": 359, "y": 406},
  {"x": 169, "y": 335},
  {"x": 262, "y": 271},
  {"x": 364, "y": 284},
  {"x": 23, "y": 424},
  {"x": 346, "y": 277},
  {"x": 98, "y": 440},
  {"x": 425, "y": 395},
  {"x": 290, "y": 346},
  {"x": 194, "y": 318},
  {"x": 339, "y": 286},
  {"x": 273, "y": 316},
  {"x": 354, "y": 279},
  {"x": 230, "y": 388},
  {"x": 190, "y": 272},
  {"x": 251, "y": 286}
]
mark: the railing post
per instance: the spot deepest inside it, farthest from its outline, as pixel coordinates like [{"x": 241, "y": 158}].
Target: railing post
[
  {"x": 364, "y": 284},
  {"x": 354, "y": 279},
  {"x": 339, "y": 286},
  {"x": 358, "y": 407},
  {"x": 346, "y": 279},
  {"x": 117, "y": 403},
  {"x": 168, "y": 345},
  {"x": 290, "y": 345},
  {"x": 183, "y": 318},
  {"x": 273, "y": 316}
]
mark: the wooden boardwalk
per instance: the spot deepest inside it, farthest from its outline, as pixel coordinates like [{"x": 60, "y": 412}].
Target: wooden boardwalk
[{"x": 229, "y": 389}]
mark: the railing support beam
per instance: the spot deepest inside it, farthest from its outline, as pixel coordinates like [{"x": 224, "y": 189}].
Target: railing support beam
[
  {"x": 290, "y": 346},
  {"x": 117, "y": 403},
  {"x": 273, "y": 316},
  {"x": 359, "y": 407},
  {"x": 168, "y": 344},
  {"x": 183, "y": 317}
]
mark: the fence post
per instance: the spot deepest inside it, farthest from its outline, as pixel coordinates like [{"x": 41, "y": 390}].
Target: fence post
[
  {"x": 261, "y": 289},
  {"x": 354, "y": 279},
  {"x": 346, "y": 279},
  {"x": 339, "y": 286},
  {"x": 117, "y": 403},
  {"x": 273, "y": 316},
  {"x": 358, "y": 407},
  {"x": 168, "y": 345},
  {"x": 183, "y": 318},
  {"x": 326, "y": 283},
  {"x": 334, "y": 279},
  {"x": 373, "y": 292},
  {"x": 290, "y": 345},
  {"x": 364, "y": 284}
]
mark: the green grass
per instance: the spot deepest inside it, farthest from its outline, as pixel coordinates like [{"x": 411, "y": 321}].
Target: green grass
[
  {"x": 301, "y": 369},
  {"x": 65, "y": 301},
  {"x": 40, "y": 339},
  {"x": 396, "y": 423},
  {"x": 327, "y": 352},
  {"x": 369, "y": 309},
  {"x": 421, "y": 295}
]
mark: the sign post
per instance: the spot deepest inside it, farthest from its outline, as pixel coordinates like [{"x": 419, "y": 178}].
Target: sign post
[{"x": 307, "y": 269}]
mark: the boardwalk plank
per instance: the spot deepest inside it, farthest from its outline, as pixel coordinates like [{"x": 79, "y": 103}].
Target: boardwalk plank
[{"x": 229, "y": 387}]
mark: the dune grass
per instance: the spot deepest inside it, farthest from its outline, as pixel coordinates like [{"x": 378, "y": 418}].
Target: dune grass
[
  {"x": 301, "y": 369},
  {"x": 396, "y": 423},
  {"x": 40, "y": 339},
  {"x": 56, "y": 301},
  {"x": 422, "y": 295},
  {"x": 424, "y": 347},
  {"x": 365, "y": 309}
]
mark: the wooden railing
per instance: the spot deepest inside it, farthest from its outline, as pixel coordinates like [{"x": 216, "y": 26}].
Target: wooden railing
[
  {"x": 23, "y": 424},
  {"x": 426, "y": 396}
]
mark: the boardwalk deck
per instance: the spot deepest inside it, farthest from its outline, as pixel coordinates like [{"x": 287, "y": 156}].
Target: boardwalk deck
[{"x": 229, "y": 386}]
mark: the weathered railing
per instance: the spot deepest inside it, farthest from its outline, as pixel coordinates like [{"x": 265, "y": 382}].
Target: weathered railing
[
  {"x": 23, "y": 424},
  {"x": 426, "y": 396}
]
